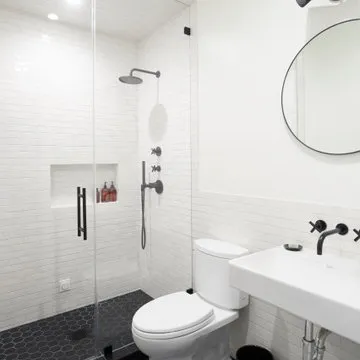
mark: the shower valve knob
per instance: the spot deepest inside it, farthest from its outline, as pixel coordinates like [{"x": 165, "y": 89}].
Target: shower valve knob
[
  {"x": 156, "y": 151},
  {"x": 156, "y": 168}
]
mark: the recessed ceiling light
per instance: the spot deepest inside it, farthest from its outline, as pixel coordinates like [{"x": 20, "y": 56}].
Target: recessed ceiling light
[{"x": 53, "y": 16}]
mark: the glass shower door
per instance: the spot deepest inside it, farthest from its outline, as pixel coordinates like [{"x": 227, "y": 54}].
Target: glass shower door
[
  {"x": 132, "y": 116},
  {"x": 47, "y": 282},
  {"x": 117, "y": 212}
]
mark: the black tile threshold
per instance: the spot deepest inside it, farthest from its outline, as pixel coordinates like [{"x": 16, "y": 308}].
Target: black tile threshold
[
  {"x": 138, "y": 355},
  {"x": 71, "y": 335},
  {"x": 130, "y": 352}
]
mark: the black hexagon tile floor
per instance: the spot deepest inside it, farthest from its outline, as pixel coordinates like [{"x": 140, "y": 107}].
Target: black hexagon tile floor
[{"x": 71, "y": 335}]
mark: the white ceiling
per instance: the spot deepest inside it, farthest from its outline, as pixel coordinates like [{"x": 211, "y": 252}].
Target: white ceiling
[{"x": 131, "y": 19}]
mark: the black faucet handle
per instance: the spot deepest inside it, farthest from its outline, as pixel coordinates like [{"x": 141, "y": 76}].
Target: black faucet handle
[
  {"x": 320, "y": 226},
  {"x": 357, "y": 232},
  {"x": 156, "y": 168},
  {"x": 156, "y": 151}
]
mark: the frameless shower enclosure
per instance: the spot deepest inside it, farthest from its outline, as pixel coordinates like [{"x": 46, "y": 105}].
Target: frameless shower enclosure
[{"x": 73, "y": 270}]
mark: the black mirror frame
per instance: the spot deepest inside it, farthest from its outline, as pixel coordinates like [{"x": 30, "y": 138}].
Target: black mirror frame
[{"x": 283, "y": 88}]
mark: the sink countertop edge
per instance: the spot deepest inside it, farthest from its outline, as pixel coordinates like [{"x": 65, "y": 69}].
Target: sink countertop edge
[{"x": 255, "y": 284}]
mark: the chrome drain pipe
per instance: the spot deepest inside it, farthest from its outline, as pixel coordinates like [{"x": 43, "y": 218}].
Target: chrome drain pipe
[
  {"x": 314, "y": 349},
  {"x": 320, "y": 344},
  {"x": 308, "y": 341}
]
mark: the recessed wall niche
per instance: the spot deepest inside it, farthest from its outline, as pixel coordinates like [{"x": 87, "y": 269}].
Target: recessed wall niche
[{"x": 66, "y": 178}]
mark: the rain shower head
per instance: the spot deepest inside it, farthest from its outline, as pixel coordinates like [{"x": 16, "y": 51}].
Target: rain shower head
[
  {"x": 131, "y": 80},
  {"x": 134, "y": 80}
]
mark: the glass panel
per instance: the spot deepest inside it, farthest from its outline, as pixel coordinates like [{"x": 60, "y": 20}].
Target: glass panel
[
  {"x": 46, "y": 122},
  {"x": 132, "y": 116},
  {"x": 117, "y": 212},
  {"x": 164, "y": 120}
]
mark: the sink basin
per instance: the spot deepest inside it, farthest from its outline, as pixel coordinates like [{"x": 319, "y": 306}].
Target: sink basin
[{"x": 323, "y": 289}]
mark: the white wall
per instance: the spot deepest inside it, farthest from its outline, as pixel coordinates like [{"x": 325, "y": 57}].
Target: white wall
[
  {"x": 245, "y": 49},
  {"x": 45, "y": 111},
  {"x": 252, "y": 183}
]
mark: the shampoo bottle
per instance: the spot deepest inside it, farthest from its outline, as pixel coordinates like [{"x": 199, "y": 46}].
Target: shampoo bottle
[
  {"x": 104, "y": 193},
  {"x": 113, "y": 192}
]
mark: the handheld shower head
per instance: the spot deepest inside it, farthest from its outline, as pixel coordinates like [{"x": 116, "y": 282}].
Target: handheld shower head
[{"x": 134, "y": 80}]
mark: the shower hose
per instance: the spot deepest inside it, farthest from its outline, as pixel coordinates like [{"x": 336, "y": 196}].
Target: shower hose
[{"x": 143, "y": 228}]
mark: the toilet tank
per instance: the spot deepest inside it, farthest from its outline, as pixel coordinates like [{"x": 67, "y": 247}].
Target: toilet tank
[{"x": 212, "y": 273}]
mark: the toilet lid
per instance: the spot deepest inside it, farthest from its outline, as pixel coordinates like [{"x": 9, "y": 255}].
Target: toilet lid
[{"x": 173, "y": 313}]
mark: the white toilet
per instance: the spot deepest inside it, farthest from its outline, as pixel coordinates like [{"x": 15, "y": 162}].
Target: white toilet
[{"x": 180, "y": 326}]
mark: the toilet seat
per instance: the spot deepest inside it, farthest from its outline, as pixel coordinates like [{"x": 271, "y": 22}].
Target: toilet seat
[{"x": 172, "y": 316}]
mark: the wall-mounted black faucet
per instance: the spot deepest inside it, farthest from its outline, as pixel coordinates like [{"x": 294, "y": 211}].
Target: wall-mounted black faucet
[{"x": 340, "y": 229}]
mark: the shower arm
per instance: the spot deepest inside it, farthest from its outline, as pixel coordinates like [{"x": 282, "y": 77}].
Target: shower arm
[{"x": 156, "y": 73}]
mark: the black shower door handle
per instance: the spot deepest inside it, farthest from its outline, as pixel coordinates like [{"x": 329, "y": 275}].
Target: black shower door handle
[
  {"x": 84, "y": 213},
  {"x": 78, "y": 200},
  {"x": 83, "y": 228}
]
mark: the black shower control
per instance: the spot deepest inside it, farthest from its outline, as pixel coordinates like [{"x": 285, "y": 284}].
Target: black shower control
[
  {"x": 156, "y": 151},
  {"x": 158, "y": 186},
  {"x": 319, "y": 226},
  {"x": 156, "y": 168},
  {"x": 357, "y": 232}
]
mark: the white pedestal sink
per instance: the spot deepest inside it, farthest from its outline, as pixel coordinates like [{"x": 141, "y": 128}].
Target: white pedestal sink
[{"x": 322, "y": 289}]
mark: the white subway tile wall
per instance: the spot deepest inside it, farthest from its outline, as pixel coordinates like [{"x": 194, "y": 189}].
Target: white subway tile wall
[
  {"x": 46, "y": 119},
  {"x": 116, "y": 141}
]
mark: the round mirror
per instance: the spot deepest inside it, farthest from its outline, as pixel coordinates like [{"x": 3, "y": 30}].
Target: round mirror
[
  {"x": 158, "y": 123},
  {"x": 321, "y": 91}
]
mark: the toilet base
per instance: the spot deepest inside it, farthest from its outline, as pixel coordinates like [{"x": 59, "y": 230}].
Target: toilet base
[{"x": 214, "y": 346}]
